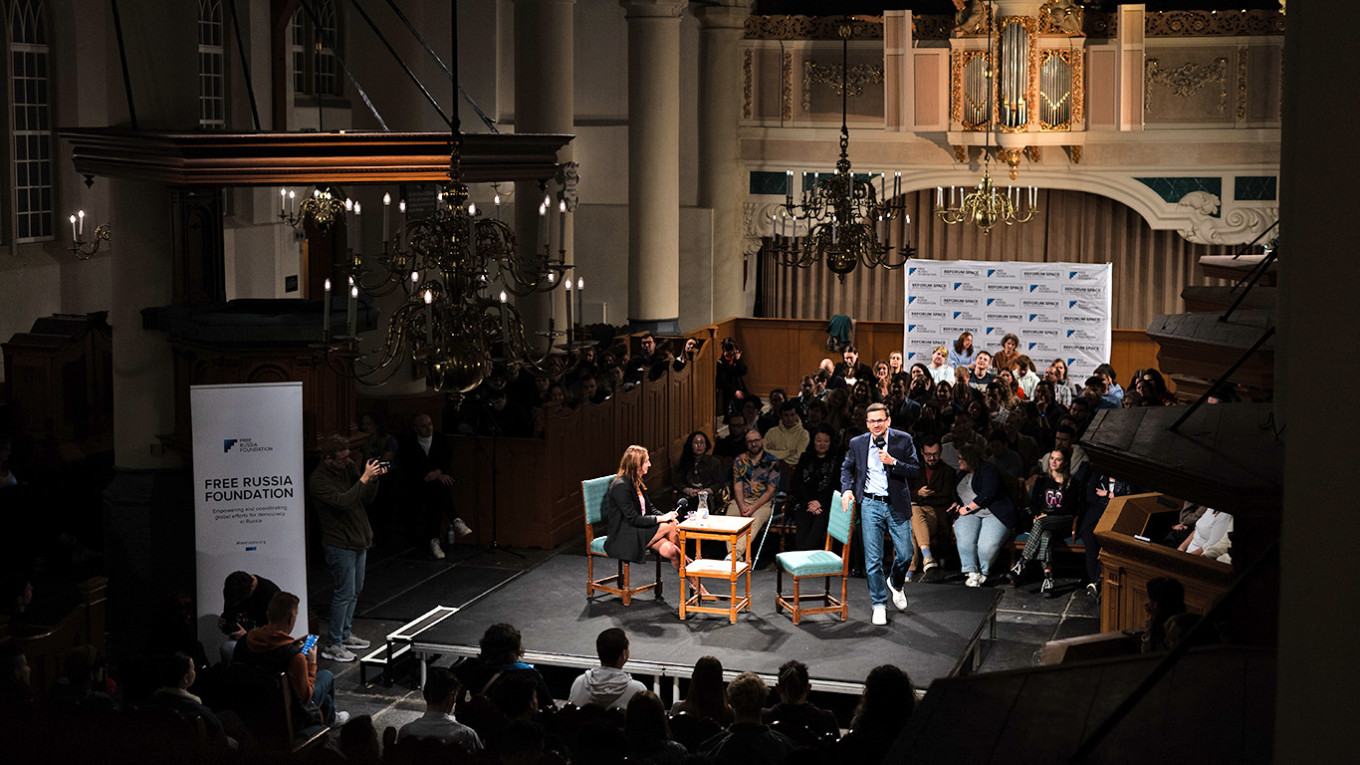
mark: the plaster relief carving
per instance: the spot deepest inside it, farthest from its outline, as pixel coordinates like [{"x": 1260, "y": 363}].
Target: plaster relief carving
[{"x": 1187, "y": 79}]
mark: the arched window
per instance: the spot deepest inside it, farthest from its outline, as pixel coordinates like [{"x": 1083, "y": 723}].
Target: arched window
[
  {"x": 30, "y": 121},
  {"x": 212, "y": 99},
  {"x": 312, "y": 49}
]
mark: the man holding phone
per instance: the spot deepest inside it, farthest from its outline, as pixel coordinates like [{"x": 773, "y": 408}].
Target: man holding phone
[
  {"x": 273, "y": 647},
  {"x": 341, "y": 492}
]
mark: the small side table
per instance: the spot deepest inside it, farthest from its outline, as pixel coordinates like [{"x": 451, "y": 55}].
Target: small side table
[{"x": 735, "y": 530}]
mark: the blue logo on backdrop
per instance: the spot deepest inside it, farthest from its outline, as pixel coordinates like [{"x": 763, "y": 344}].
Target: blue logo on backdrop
[
  {"x": 991, "y": 271},
  {"x": 1031, "y": 316},
  {"x": 227, "y": 443},
  {"x": 990, "y": 330},
  {"x": 911, "y": 270},
  {"x": 957, "y": 285},
  {"x": 1033, "y": 287},
  {"x": 252, "y": 548},
  {"x": 1071, "y": 274},
  {"x": 911, "y": 354},
  {"x": 990, "y": 301},
  {"x": 911, "y": 327},
  {"x": 911, "y": 299},
  {"x": 1031, "y": 346},
  {"x": 1070, "y": 331},
  {"x": 1070, "y": 361},
  {"x": 1072, "y": 303}
]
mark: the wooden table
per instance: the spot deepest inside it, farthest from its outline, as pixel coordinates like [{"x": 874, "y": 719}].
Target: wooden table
[{"x": 732, "y": 529}]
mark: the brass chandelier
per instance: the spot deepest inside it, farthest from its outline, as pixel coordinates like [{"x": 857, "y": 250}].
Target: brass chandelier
[
  {"x": 841, "y": 219},
  {"x": 455, "y": 269}
]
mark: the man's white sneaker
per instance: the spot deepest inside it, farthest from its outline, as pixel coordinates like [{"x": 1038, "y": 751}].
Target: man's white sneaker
[
  {"x": 460, "y": 528},
  {"x": 337, "y": 652},
  {"x": 974, "y": 580},
  {"x": 354, "y": 641},
  {"x": 340, "y": 719},
  {"x": 880, "y": 615},
  {"x": 436, "y": 551},
  {"x": 899, "y": 597}
]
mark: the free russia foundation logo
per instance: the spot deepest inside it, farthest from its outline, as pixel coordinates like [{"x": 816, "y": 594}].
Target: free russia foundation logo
[{"x": 244, "y": 445}]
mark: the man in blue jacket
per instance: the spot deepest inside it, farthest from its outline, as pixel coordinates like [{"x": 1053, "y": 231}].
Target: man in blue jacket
[{"x": 876, "y": 470}]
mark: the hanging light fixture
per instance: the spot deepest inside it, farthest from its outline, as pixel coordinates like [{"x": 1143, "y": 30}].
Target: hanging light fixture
[
  {"x": 448, "y": 265},
  {"x": 986, "y": 205},
  {"x": 840, "y": 218},
  {"x": 323, "y": 207}
]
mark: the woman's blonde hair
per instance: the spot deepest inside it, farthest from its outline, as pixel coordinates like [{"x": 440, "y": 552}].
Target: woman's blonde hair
[{"x": 630, "y": 466}]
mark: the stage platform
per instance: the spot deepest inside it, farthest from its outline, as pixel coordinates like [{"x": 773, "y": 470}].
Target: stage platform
[{"x": 941, "y": 634}]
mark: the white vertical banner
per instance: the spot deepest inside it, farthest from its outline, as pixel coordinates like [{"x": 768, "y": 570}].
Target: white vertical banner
[
  {"x": 249, "y": 492},
  {"x": 1058, "y": 310}
]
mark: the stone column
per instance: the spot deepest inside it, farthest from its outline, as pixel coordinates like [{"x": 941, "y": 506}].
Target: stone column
[
  {"x": 654, "y": 164},
  {"x": 544, "y": 103},
  {"x": 722, "y": 175}
]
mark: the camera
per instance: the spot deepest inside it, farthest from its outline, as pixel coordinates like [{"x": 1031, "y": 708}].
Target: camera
[{"x": 385, "y": 464}]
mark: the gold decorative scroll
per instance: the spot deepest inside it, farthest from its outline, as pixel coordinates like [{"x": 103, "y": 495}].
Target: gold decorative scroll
[
  {"x": 1213, "y": 23},
  {"x": 1187, "y": 79},
  {"x": 786, "y": 88},
  {"x": 1241, "y": 84},
  {"x": 856, "y": 77}
]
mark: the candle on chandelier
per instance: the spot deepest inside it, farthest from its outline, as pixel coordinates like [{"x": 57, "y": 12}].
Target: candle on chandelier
[
  {"x": 352, "y": 311},
  {"x": 401, "y": 222},
  {"x": 543, "y": 226},
  {"x": 580, "y": 301},
  {"x": 358, "y": 225},
  {"x": 939, "y": 197},
  {"x": 472, "y": 231},
  {"x": 429, "y": 318},
  {"x": 505, "y": 322},
  {"x": 562, "y": 225},
  {"x": 292, "y": 203},
  {"x": 326, "y": 307},
  {"x": 552, "y": 303},
  {"x": 1033, "y": 196},
  {"x": 951, "y": 195},
  {"x": 788, "y": 187},
  {"x": 387, "y": 213},
  {"x": 496, "y": 200},
  {"x": 566, "y": 285},
  {"x": 283, "y": 201},
  {"x": 80, "y": 215},
  {"x": 74, "y": 236},
  {"x": 897, "y": 183}
]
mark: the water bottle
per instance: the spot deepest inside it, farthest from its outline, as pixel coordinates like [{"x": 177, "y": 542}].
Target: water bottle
[{"x": 703, "y": 507}]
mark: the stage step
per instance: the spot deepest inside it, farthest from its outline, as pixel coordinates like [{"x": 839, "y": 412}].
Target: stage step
[
  {"x": 397, "y": 645},
  {"x": 1200, "y": 298},
  {"x": 1236, "y": 268}
]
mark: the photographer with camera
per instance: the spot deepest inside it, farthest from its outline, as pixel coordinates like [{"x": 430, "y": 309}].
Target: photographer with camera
[
  {"x": 340, "y": 493},
  {"x": 425, "y": 459}
]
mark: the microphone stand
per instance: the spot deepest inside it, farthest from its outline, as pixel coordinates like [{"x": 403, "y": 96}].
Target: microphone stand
[{"x": 495, "y": 544}]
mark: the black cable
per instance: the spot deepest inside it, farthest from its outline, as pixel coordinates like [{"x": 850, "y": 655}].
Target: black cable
[
  {"x": 245, "y": 63},
  {"x": 383, "y": 39},
  {"x": 316, "y": 22},
  {"x": 490, "y": 123},
  {"x": 122, "y": 58}
]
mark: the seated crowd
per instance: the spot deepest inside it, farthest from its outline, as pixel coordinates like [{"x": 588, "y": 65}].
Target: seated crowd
[{"x": 997, "y": 441}]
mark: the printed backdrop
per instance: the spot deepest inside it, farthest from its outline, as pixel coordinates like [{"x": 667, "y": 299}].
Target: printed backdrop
[{"x": 1058, "y": 310}]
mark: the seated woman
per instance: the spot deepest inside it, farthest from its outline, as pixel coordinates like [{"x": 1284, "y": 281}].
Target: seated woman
[
  {"x": 815, "y": 481},
  {"x": 631, "y": 522},
  {"x": 1005, "y": 358},
  {"x": 1055, "y": 503},
  {"x": 707, "y": 696},
  {"x": 985, "y": 513},
  {"x": 882, "y": 379},
  {"x": 697, "y": 472},
  {"x": 963, "y": 351}
]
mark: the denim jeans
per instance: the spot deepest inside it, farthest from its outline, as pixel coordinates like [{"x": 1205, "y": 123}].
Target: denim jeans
[
  {"x": 978, "y": 537},
  {"x": 876, "y": 520},
  {"x": 347, "y": 573},
  {"x": 323, "y": 694}
]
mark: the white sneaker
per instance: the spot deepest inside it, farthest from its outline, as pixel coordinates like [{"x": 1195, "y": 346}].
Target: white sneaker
[
  {"x": 880, "y": 615},
  {"x": 436, "y": 551},
  {"x": 899, "y": 597},
  {"x": 337, "y": 652},
  {"x": 354, "y": 641},
  {"x": 973, "y": 580},
  {"x": 460, "y": 528},
  {"x": 340, "y": 719}
]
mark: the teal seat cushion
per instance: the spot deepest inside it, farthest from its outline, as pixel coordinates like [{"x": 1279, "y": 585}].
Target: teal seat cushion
[
  {"x": 811, "y": 563},
  {"x": 597, "y": 545}
]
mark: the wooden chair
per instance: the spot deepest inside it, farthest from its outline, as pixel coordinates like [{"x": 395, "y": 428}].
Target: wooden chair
[
  {"x": 824, "y": 564},
  {"x": 594, "y": 495}
]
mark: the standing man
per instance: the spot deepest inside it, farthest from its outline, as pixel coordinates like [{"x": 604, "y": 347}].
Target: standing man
[
  {"x": 876, "y": 470},
  {"x": 755, "y": 479},
  {"x": 425, "y": 460},
  {"x": 340, "y": 492}
]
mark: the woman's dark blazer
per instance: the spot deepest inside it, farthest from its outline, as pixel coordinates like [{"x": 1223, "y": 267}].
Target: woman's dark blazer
[
  {"x": 992, "y": 493},
  {"x": 629, "y": 530}
]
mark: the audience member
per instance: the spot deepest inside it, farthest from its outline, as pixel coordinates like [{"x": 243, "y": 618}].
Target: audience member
[
  {"x": 648, "y": 734},
  {"x": 426, "y": 465},
  {"x": 1063, "y": 388},
  {"x": 501, "y": 663},
  {"x": 1211, "y": 528},
  {"x": 706, "y": 697},
  {"x": 794, "y": 708},
  {"x": 813, "y": 488},
  {"x": 340, "y": 493},
  {"x": 941, "y": 371},
  {"x": 83, "y": 686},
  {"x": 1099, "y": 492},
  {"x": 999, "y": 453},
  {"x": 358, "y": 741},
  {"x": 982, "y": 374},
  {"x": 985, "y": 515},
  {"x": 882, "y": 379},
  {"x": 807, "y": 393},
  {"x": 590, "y": 392},
  {"x": 733, "y": 444},
  {"x": 1005, "y": 358},
  {"x": 884, "y": 709},
  {"x": 961, "y": 434},
  {"x": 378, "y": 443},
  {"x": 747, "y": 741},
  {"x": 1026, "y": 376},
  {"x": 769, "y": 419},
  {"x": 641, "y": 362},
  {"x": 963, "y": 353},
  {"x": 850, "y": 371},
  {"x": 438, "y": 723},
  {"x": 755, "y": 479},
  {"x": 790, "y": 439},
  {"x": 1113, "y": 389},
  {"x": 1054, "y": 504},
  {"x": 931, "y": 496},
  {"x": 273, "y": 648},
  {"x": 176, "y": 674},
  {"x": 607, "y": 685},
  {"x": 1166, "y": 598},
  {"x": 245, "y": 599},
  {"x": 696, "y": 473},
  {"x": 731, "y": 376}
]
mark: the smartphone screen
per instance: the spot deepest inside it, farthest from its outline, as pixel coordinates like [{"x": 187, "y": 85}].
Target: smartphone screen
[{"x": 308, "y": 644}]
